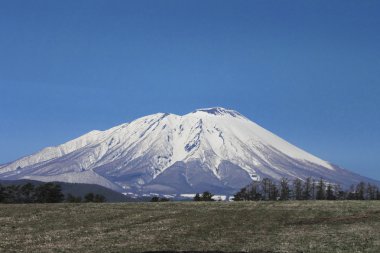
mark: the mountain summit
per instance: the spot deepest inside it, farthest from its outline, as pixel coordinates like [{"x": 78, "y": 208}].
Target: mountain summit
[{"x": 212, "y": 149}]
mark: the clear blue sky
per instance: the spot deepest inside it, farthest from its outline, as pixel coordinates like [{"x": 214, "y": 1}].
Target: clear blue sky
[{"x": 308, "y": 71}]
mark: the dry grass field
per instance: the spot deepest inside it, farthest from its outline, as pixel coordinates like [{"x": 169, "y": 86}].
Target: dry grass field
[{"x": 315, "y": 226}]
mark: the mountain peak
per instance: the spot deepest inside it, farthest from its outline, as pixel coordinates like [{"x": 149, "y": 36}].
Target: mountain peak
[{"x": 218, "y": 111}]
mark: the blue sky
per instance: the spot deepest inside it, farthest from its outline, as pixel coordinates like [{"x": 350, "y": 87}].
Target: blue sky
[{"x": 308, "y": 71}]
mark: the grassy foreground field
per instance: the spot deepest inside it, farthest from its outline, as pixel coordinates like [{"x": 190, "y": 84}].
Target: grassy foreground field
[{"x": 315, "y": 226}]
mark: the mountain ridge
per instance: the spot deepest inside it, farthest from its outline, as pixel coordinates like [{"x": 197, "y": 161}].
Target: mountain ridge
[{"x": 207, "y": 149}]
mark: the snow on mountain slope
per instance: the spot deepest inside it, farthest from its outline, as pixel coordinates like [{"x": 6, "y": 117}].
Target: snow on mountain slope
[
  {"x": 59, "y": 151},
  {"x": 209, "y": 149}
]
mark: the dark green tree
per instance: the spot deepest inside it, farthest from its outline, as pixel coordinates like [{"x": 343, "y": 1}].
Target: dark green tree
[
  {"x": 371, "y": 192},
  {"x": 321, "y": 190},
  {"x": 306, "y": 194},
  {"x": 27, "y": 193},
  {"x": 285, "y": 189},
  {"x": 2, "y": 194},
  {"x": 98, "y": 198},
  {"x": 313, "y": 189},
  {"x": 273, "y": 191},
  {"x": 12, "y": 194},
  {"x": 351, "y": 194},
  {"x": 207, "y": 196},
  {"x": 48, "y": 193},
  {"x": 240, "y": 195},
  {"x": 158, "y": 199},
  {"x": 197, "y": 197},
  {"x": 73, "y": 199},
  {"x": 254, "y": 193},
  {"x": 89, "y": 197},
  {"x": 297, "y": 189},
  {"x": 330, "y": 195},
  {"x": 155, "y": 199},
  {"x": 340, "y": 194}
]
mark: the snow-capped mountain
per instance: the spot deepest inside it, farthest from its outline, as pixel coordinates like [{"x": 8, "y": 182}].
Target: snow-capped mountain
[{"x": 212, "y": 149}]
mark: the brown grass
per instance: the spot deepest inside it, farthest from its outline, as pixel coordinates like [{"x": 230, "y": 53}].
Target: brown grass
[{"x": 315, "y": 226}]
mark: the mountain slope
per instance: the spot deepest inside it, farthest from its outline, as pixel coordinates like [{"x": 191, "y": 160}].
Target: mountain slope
[{"x": 209, "y": 149}]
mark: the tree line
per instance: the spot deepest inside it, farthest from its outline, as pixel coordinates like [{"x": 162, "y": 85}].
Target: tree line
[
  {"x": 159, "y": 199},
  {"x": 309, "y": 189},
  {"x": 206, "y": 196},
  {"x": 43, "y": 193}
]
